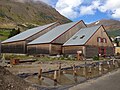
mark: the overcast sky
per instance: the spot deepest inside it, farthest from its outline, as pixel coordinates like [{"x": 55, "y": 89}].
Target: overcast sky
[{"x": 87, "y": 10}]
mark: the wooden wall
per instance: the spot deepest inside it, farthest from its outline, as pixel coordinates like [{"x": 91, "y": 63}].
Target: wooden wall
[
  {"x": 88, "y": 51},
  {"x": 21, "y": 46},
  {"x": 55, "y": 49},
  {"x": 52, "y": 49},
  {"x": 38, "y": 49},
  {"x": 91, "y": 48},
  {"x": 91, "y": 51},
  {"x": 110, "y": 51},
  {"x": 72, "y": 49},
  {"x": 100, "y": 33},
  {"x": 63, "y": 38},
  {"x": 14, "y": 47}
]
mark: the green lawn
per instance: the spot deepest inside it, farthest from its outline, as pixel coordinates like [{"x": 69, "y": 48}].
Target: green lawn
[{"x": 4, "y": 34}]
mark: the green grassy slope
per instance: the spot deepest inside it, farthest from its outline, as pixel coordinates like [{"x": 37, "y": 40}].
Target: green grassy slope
[
  {"x": 26, "y": 15},
  {"x": 114, "y": 33}
]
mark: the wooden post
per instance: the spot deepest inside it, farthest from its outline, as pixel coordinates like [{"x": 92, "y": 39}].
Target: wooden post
[
  {"x": 59, "y": 69},
  {"x": 85, "y": 70},
  {"x": 113, "y": 61},
  {"x": 74, "y": 70},
  {"x": 75, "y": 73},
  {"x": 55, "y": 78},
  {"x": 73, "y": 67},
  {"x": 97, "y": 66},
  {"x": 100, "y": 68},
  {"x": 40, "y": 73},
  {"x": 79, "y": 55},
  {"x": 108, "y": 63},
  {"x": 116, "y": 64},
  {"x": 59, "y": 72},
  {"x": 90, "y": 69}
]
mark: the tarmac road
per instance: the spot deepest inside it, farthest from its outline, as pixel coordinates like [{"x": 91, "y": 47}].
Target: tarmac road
[{"x": 110, "y": 81}]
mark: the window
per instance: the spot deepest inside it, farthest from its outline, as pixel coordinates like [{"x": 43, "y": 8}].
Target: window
[
  {"x": 75, "y": 37},
  {"x": 82, "y": 36},
  {"x": 104, "y": 40},
  {"x": 98, "y": 39}
]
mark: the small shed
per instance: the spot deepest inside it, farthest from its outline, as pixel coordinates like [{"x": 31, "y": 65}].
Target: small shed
[
  {"x": 90, "y": 41},
  {"x": 18, "y": 43},
  {"x": 51, "y": 42}
]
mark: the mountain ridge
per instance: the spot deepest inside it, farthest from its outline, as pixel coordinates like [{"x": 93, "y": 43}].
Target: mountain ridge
[
  {"x": 109, "y": 24},
  {"x": 14, "y": 13}
]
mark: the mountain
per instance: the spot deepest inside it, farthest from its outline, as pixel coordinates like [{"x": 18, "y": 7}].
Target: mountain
[
  {"x": 109, "y": 24},
  {"x": 27, "y": 13}
]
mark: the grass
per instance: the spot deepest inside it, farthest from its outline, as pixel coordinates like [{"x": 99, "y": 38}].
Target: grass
[
  {"x": 4, "y": 34},
  {"x": 45, "y": 58},
  {"x": 2, "y": 38},
  {"x": 114, "y": 33},
  {"x": 21, "y": 57}
]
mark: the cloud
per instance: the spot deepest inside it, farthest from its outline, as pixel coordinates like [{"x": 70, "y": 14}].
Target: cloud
[
  {"x": 116, "y": 13},
  {"x": 76, "y": 8},
  {"x": 91, "y": 9},
  {"x": 112, "y": 6},
  {"x": 68, "y": 8}
]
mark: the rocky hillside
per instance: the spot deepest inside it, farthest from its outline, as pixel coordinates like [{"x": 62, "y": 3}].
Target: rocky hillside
[
  {"x": 28, "y": 13},
  {"x": 108, "y": 24}
]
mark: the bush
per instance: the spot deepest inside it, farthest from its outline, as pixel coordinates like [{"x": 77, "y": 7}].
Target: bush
[
  {"x": 14, "y": 32},
  {"x": 95, "y": 58}
]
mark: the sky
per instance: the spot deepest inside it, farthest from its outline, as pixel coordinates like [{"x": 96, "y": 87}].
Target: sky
[{"x": 87, "y": 10}]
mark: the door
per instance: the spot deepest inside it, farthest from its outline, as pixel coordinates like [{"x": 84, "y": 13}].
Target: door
[{"x": 102, "y": 51}]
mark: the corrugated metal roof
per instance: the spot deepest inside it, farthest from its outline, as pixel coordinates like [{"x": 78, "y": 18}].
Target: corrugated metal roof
[
  {"x": 81, "y": 37},
  {"x": 51, "y": 35},
  {"x": 27, "y": 33}
]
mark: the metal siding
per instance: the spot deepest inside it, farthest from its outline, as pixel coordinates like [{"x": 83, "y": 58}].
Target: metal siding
[
  {"x": 27, "y": 33},
  {"x": 69, "y": 33},
  {"x": 86, "y": 32},
  {"x": 51, "y": 35}
]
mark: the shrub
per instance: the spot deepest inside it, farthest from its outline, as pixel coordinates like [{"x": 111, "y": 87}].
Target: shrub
[{"x": 95, "y": 58}]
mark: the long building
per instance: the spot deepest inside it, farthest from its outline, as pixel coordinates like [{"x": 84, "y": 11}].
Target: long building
[
  {"x": 90, "y": 41},
  {"x": 52, "y": 41},
  {"x": 18, "y": 43}
]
